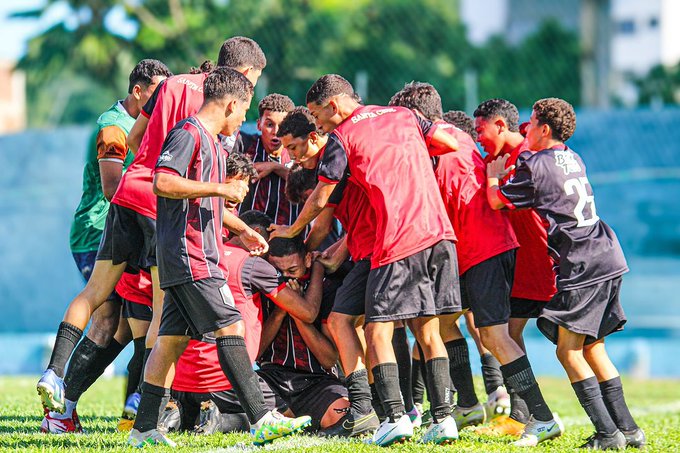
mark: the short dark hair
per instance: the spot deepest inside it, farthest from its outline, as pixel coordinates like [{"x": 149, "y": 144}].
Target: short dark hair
[
  {"x": 299, "y": 181},
  {"x": 240, "y": 166},
  {"x": 239, "y": 52},
  {"x": 420, "y": 96},
  {"x": 275, "y": 102},
  {"x": 223, "y": 82},
  {"x": 559, "y": 115},
  {"x": 499, "y": 107},
  {"x": 279, "y": 247},
  {"x": 255, "y": 219},
  {"x": 145, "y": 71},
  {"x": 205, "y": 67},
  {"x": 462, "y": 121},
  {"x": 328, "y": 86},
  {"x": 298, "y": 123}
]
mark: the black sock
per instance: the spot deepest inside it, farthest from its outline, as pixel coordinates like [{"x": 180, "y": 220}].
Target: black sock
[
  {"x": 461, "y": 373},
  {"x": 402, "y": 351},
  {"x": 233, "y": 356},
  {"x": 147, "y": 352},
  {"x": 519, "y": 410},
  {"x": 359, "y": 392},
  {"x": 520, "y": 377},
  {"x": 418, "y": 381},
  {"x": 135, "y": 366},
  {"x": 386, "y": 377},
  {"x": 88, "y": 363},
  {"x": 589, "y": 395},
  {"x": 439, "y": 388},
  {"x": 233, "y": 423},
  {"x": 67, "y": 338},
  {"x": 375, "y": 402},
  {"x": 491, "y": 372},
  {"x": 153, "y": 402},
  {"x": 612, "y": 394}
]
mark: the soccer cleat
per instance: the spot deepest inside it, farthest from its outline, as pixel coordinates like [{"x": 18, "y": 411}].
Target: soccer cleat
[
  {"x": 469, "y": 416},
  {"x": 131, "y": 405},
  {"x": 152, "y": 437},
  {"x": 56, "y": 423},
  {"x": 537, "y": 431},
  {"x": 416, "y": 417},
  {"x": 426, "y": 419},
  {"x": 497, "y": 403},
  {"x": 441, "y": 433},
  {"x": 502, "y": 426},
  {"x": 598, "y": 441},
  {"x": 352, "y": 425},
  {"x": 125, "y": 425},
  {"x": 170, "y": 419},
  {"x": 208, "y": 418},
  {"x": 274, "y": 425},
  {"x": 635, "y": 438},
  {"x": 51, "y": 390},
  {"x": 390, "y": 432}
]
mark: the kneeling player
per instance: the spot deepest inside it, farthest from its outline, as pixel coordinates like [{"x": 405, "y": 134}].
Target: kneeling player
[{"x": 586, "y": 307}]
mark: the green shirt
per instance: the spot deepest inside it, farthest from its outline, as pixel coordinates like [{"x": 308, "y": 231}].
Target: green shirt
[{"x": 90, "y": 217}]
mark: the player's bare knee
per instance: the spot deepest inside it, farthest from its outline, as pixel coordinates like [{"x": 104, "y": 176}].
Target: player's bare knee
[
  {"x": 334, "y": 413},
  {"x": 236, "y": 329}
]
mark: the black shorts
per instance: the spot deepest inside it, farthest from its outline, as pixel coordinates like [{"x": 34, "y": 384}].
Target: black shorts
[
  {"x": 525, "y": 308},
  {"x": 226, "y": 401},
  {"x": 423, "y": 284},
  {"x": 199, "y": 307},
  {"x": 129, "y": 237},
  {"x": 137, "y": 311},
  {"x": 351, "y": 296},
  {"x": 485, "y": 289},
  {"x": 594, "y": 311},
  {"x": 305, "y": 393}
]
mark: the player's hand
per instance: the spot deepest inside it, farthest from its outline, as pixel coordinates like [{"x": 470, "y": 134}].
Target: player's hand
[
  {"x": 235, "y": 190},
  {"x": 295, "y": 286},
  {"x": 254, "y": 242},
  {"x": 329, "y": 262},
  {"x": 496, "y": 168},
  {"x": 263, "y": 169},
  {"x": 280, "y": 231}
]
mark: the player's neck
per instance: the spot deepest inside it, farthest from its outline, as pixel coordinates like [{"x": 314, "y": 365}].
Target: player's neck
[
  {"x": 130, "y": 106},
  {"x": 513, "y": 141},
  {"x": 212, "y": 118}
]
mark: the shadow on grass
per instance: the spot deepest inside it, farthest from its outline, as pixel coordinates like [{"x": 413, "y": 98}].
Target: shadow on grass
[{"x": 30, "y": 424}]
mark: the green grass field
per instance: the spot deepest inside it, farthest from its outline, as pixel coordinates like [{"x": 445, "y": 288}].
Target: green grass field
[{"x": 656, "y": 405}]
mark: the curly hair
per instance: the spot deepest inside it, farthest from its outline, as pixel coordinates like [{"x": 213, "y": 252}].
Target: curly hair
[
  {"x": 240, "y": 166},
  {"x": 328, "y": 86},
  {"x": 299, "y": 181},
  {"x": 275, "y": 102},
  {"x": 239, "y": 52},
  {"x": 298, "y": 123},
  {"x": 204, "y": 68},
  {"x": 559, "y": 115},
  {"x": 419, "y": 96},
  {"x": 145, "y": 71},
  {"x": 222, "y": 82},
  {"x": 462, "y": 121},
  {"x": 499, "y": 107}
]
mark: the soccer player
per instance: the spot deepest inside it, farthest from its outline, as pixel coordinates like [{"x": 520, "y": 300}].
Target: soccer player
[
  {"x": 586, "y": 308},
  {"x": 496, "y": 122},
  {"x": 129, "y": 237},
  {"x": 413, "y": 265},
  {"x": 462, "y": 121},
  {"x": 268, "y": 191},
  {"x": 190, "y": 184}
]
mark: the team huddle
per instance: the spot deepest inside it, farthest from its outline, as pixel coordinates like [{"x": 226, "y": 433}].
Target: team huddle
[{"x": 267, "y": 281}]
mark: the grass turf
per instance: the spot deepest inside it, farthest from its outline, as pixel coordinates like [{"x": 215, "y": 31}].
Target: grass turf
[{"x": 656, "y": 406}]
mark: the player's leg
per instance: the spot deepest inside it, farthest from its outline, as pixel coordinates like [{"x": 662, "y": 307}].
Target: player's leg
[
  {"x": 402, "y": 352},
  {"x": 157, "y": 308},
  {"x": 418, "y": 378}
]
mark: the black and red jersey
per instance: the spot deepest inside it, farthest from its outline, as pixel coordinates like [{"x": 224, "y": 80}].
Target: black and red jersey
[
  {"x": 555, "y": 184},
  {"x": 354, "y": 212},
  {"x": 189, "y": 231}
]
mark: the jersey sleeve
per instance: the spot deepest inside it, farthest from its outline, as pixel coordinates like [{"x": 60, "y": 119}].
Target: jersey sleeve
[
  {"x": 111, "y": 144},
  {"x": 338, "y": 192},
  {"x": 147, "y": 110},
  {"x": 333, "y": 163},
  {"x": 264, "y": 278},
  {"x": 520, "y": 191},
  {"x": 178, "y": 150}
]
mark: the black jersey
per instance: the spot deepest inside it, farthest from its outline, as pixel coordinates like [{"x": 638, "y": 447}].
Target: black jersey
[{"x": 554, "y": 183}]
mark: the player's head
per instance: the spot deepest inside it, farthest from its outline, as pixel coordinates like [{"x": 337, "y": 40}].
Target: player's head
[
  {"x": 258, "y": 221},
  {"x": 239, "y": 166},
  {"x": 205, "y": 68},
  {"x": 301, "y": 137},
  {"x": 300, "y": 184},
  {"x": 462, "y": 121},
  {"x": 144, "y": 79},
  {"x": 273, "y": 108},
  {"x": 289, "y": 255},
  {"x": 495, "y": 119},
  {"x": 552, "y": 119},
  {"x": 231, "y": 91},
  {"x": 422, "y": 97},
  {"x": 243, "y": 55},
  {"x": 331, "y": 99}
]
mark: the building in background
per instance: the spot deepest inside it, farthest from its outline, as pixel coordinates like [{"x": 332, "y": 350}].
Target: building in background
[{"x": 12, "y": 98}]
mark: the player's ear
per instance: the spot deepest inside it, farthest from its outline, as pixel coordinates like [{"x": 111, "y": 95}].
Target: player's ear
[
  {"x": 137, "y": 92},
  {"x": 230, "y": 106},
  {"x": 334, "y": 105},
  {"x": 313, "y": 137},
  {"x": 308, "y": 260},
  {"x": 500, "y": 124}
]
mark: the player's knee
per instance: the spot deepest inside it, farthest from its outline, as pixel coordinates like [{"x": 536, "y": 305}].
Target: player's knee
[
  {"x": 337, "y": 323},
  {"x": 236, "y": 329},
  {"x": 334, "y": 412},
  {"x": 568, "y": 356}
]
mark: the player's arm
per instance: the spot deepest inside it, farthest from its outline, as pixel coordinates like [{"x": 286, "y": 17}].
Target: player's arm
[
  {"x": 318, "y": 343},
  {"x": 320, "y": 228},
  {"x": 290, "y": 297},
  {"x": 264, "y": 169},
  {"x": 270, "y": 328},
  {"x": 134, "y": 138},
  {"x": 519, "y": 193},
  {"x": 111, "y": 153},
  {"x": 335, "y": 255},
  {"x": 250, "y": 238},
  {"x": 438, "y": 141}
]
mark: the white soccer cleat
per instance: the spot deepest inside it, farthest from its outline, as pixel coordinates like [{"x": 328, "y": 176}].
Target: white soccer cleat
[
  {"x": 147, "y": 438},
  {"x": 441, "y": 433},
  {"x": 391, "y": 432},
  {"x": 51, "y": 390},
  {"x": 536, "y": 432}
]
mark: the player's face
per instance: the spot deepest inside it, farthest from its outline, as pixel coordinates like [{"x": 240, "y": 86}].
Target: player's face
[
  {"x": 535, "y": 134},
  {"x": 488, "y": 135},
  {"x": 144, "y": 93},
  {"x": 236, "y": 116},
  {"x": 253, "y": 75},
  {"x": 269, "y": 124},
  {"x": 291, "y": 266},
  {"x": 301, "y": 150},
  {"x": 325, "y": 115}
]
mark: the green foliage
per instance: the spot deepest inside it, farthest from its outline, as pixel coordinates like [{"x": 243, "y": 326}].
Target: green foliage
[{"x": 660, "y": 85}]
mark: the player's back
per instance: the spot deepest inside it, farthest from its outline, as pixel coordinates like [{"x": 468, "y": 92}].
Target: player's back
[{"x": 356, "y": 215}]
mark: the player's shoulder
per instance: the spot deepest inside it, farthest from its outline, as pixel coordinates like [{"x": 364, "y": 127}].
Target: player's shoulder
[{"x": 114, "y": 116}]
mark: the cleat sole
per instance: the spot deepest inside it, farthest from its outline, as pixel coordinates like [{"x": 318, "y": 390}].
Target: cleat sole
[{"x": 47, "y": 399}]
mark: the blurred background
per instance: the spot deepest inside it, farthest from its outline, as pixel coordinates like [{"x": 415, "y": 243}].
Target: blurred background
[{"x": 63, "y": 62}]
